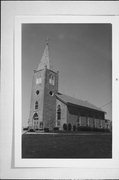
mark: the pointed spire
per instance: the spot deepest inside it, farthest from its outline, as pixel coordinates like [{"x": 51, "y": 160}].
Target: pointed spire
[{"x": 45, "y": 61}]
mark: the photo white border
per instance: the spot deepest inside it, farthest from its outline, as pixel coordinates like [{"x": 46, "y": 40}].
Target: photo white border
[{"x": 80, "y": 163}]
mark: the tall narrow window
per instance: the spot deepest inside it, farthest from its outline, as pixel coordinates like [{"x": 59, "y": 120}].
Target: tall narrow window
[
  {"x": 79, "y": 120},
  {"x": 36, "y": 105},
  {"x": 35, "y": 116},
  {"x": 51, "y": 79},
  {"x": 58, "y": 112},
  {"x": 93, "y": 122},
  {"x": 41, "y": 124},
  {"x": 38, "y": 80},
  {"x": 87, "y": 121}
]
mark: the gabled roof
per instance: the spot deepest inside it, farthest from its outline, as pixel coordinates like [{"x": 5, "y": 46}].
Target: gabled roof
[{"x": 70, "y": 100}]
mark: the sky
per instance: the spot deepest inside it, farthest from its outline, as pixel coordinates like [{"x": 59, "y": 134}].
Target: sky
[{"x": 82, "y": 53}]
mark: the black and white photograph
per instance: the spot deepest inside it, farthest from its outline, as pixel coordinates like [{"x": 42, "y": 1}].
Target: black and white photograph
[
  {"x": 66, "y": 90},
  {"x": 59, "y": 90}
]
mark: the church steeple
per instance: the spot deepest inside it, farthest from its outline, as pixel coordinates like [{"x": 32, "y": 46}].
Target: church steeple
[
  {"x": 45, "y": 60},
  {"x": 43, "y": 99}
]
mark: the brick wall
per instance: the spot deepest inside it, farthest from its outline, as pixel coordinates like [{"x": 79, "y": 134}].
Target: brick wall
[
  {"x": 49, "y": 107},
  {"x": 97, "y": 123},
  {"x": 37, "y": 97},
  {"x": 87, "y": 117},
  {"x": 83, "y": 121},
  {"x": 63, "y": 114}
]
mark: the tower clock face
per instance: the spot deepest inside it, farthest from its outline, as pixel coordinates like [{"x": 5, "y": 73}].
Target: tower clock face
[{"x": 38, "y": 80}]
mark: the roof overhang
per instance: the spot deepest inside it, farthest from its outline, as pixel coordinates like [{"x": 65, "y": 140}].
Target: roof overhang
[{"x": 75, "y": 105}]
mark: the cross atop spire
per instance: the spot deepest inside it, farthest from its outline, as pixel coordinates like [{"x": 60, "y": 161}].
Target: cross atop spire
[{"x": 45, "y": 61}]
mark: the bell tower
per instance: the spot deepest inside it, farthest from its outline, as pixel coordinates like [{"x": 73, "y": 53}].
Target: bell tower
[{"x": 43, "y": 99}]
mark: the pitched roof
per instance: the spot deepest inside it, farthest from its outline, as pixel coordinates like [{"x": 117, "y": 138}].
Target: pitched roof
[
  {"x": 45, "y": 59},
  {"x": 70, "y": 100}
]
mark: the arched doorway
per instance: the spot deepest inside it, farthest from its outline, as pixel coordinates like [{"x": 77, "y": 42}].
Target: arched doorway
[{"x": 35, "y": 120}]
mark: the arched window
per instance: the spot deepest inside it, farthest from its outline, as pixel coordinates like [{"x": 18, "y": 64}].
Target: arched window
[
  {"x": 36, "y": 105},
  {"x": 51, "y": 79},
  {"x": 79, "y": 120},
  {"x": 93, "y": 122},
  {"x": 64, "y": 127},
  {"x": 87, "y": 121},
  {"x": 41, "y": 124},
  {"x": 58, "y": 112},
  {"x": 35, "y": 116},
  {"x": 38, "y": 80}
]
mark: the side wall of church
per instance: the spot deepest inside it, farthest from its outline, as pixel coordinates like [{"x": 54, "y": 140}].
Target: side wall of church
[
  {"x": 84, "y": 117},
  {"x": 72, "y": 117},
  {"x": 63, "y": 119}
]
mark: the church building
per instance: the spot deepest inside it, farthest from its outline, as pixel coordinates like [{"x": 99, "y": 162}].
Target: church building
[{"x": 51, "y": 109}]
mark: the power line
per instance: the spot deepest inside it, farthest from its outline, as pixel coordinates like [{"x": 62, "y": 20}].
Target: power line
[{"x": 106, "y": 104}]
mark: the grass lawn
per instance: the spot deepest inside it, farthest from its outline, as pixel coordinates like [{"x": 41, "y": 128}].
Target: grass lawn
[{"x": 66, "y": 146}]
